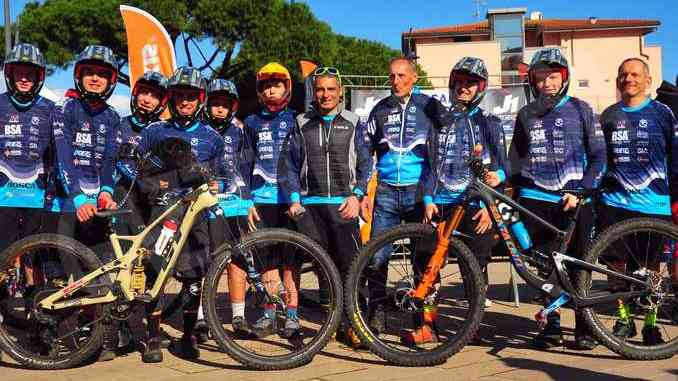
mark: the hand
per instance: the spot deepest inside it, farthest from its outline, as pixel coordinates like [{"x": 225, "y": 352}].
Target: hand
[
  {"x": 569, "y": 201},
  {"x": 431, "y": 210},
  {"x": 295, "y": 210},
  {"x": 213, "y": 187},
  {"x": 492, "y": 179},
  {"x": 366, "y": 209},
  {"x": 164, "y": 184},
  {"x": 350, "y": 208},
  {"x": 252, "y": 218},
  {"x": 85, "y": 212},
  {"x": 484, "y": 221},
  {"x": 105, "y": 201}
]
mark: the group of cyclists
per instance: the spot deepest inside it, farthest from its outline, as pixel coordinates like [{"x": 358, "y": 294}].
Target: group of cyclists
[{"x": 310, "y": 171}]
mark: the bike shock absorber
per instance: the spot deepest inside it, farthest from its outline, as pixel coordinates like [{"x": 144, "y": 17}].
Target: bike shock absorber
[{"x": 138, "y": 277}]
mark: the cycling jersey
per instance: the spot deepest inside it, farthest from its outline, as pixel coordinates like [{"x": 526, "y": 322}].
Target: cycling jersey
[
  {"x": 561, "y": 150},
  {"x": 327, "y": 159},
  {"x": 265, "y": 134},
  {"x": 398, "y": 133},
  {"x": 130, "y": 134},
  {"x": 641, "y": 160},
  {"x": 86, "y": 141},
  {"x": 26, "y": 158},
  {"x": 451, "y": 149}
]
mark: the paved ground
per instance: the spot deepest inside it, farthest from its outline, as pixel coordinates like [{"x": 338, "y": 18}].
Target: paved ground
[{"x": 508, "y": 356}]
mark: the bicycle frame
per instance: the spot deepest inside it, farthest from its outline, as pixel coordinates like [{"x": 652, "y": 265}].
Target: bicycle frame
[
  {"x": 197, "y": 200},
  {"x": 502, "y": 209}
]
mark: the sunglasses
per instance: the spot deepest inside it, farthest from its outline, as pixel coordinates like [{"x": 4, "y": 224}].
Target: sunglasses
[{"x": 325, "y": 70}]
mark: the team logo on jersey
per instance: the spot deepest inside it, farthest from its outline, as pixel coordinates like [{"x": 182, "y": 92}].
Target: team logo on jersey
[
  {"x": 620, "y": 136},
  {"x": 393, "y": 118},
  {"x": 413, "y": 108},
  {"x": 283, "y": 124},
  {"x": 83, "y": 138},
  {"x": 194, "y": 141},
  {"x": 13, "y": 118},
  {"x": 559, "y": 122},
  {"x": 621, "y": 124},
  {"x": 642, "y": 123},
  {"x": 228, "y": 140},
  {"x": 12, "y": 129},
  {"x": 102, "y": 128},
  {"x": 35, "y": 120},
  {"x": 85, "y": 126}
]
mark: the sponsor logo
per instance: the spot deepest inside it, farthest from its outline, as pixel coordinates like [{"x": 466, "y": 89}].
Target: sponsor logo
[
  {"x": 194, "y": 141},
  {"x": 559, "y": 122},
  {"x": 547, "y": 287},
  {"x": 642, "y": 123},
  {"x": 413, "y": 109},
  {"x": 537, "y": 135},
  {"x": 12, "y": 129},
  {"x": 13, "y": 144},
  {"x": 283, "y": 124},
  {"x": 85, "y": 126},
  {"x": 620, "y": 136},
  {"x": 83, "y": 138},
  {"x": 265, "y": 136},
  {"x": 393, "y": 118},
  {"x": 102, "y": 128},
  {"x": 35, "y": 120},
  {"x": 13, "y": 118},
  {"x": 228, "y": 140}
]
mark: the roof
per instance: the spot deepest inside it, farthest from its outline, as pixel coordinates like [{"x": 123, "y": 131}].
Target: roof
[{"x": 547, "y": 25}]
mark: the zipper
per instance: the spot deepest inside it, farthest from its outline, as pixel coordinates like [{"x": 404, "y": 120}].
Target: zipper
[
  {"x": 402, "y": 132},
  {"x": 327, "y": 155}
]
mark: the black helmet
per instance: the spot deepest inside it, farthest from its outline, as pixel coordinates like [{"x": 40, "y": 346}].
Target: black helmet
[
  {"x": 24, "y": 54},
  {"x": 473, "y": 67},
  {"x": 188, "y": 78},
  {"x": 550, "y": 58},
  {"x": 101, "y": 56},
  {"x": 155, "y": 80},
  {"x": 216, "y": 87}
]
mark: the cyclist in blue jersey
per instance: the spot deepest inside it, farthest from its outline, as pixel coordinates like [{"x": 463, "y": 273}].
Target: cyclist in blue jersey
[
  {"x": 233, "y": 193},
  {"x": 642, "y": 139},
  {"x": 560, "y": 147},
  {"x": 465, "y": 126},
  {"x": 398, "y": 129}
]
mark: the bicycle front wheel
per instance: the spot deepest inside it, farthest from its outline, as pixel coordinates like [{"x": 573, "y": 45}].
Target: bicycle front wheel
[
  {"x": 643, "y": 327},
  {"x": 295, "y": 271},
  {"x": 386, "y": 318}
]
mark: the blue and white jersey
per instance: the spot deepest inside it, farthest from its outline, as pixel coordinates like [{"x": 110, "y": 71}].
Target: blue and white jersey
[
  {"x": 265, "y": 134},
  {"x": 25, "y": 157},
  {"x": 399, "y": 136},
  {"x": 130, "y": 134},
  {"x": 234, "y": 195},
  {"x": 561, "y": 150},
  {"x": 642, "y": 142}
]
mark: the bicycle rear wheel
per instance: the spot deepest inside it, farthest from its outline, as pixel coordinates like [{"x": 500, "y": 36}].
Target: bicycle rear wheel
[
  {"x": 645, "y": 243},
  {"x": 382, "y": 313},
  {"x": 30, "y": 270},
  {"x": 320, "y": 301}
]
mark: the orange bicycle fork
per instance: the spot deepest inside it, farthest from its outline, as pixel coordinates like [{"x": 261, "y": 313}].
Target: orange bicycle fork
[{"x": 443, "y": 233}]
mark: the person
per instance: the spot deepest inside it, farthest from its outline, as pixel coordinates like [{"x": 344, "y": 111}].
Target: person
[
  {"x": 265, "y": 134},
  {"x": 450, "y": 149},
  {"x": 559, "y": 147},
  {"x": 397, "y": 131},
  {"x": 184, "y": 131},
  {"x": 86, "y": 138},
  {"x": 326, "y": 166},
  {"x": 642, "y": 137},
  {"x": 234, "y": 195}
]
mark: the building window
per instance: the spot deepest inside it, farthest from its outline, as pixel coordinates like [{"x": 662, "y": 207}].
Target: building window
[
  {"x": 583, "y": 83},
  {"x": 508, "y": 30},
  {"x": 462, "y": 39}
]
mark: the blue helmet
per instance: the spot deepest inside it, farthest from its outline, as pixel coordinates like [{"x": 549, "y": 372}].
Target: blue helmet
[
  {"x": 221, "y": 87},
  {"x": 100, "y": 56},
  {"x": 155, "y": 80},
  {"x": 24, "y": 54}
]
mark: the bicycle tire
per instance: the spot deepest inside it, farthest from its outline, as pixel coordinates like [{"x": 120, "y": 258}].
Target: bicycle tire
[
  {"x": 242, "y": 355},
  {"x": 91, "y": 263},
  {"x": 597, "y": 249},
  {"x": 360, "y": 326}
]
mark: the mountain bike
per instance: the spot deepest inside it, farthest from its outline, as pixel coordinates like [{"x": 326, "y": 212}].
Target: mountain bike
[
  {"x": 56, "y": 295},
  {"x": 431, "y": 269}
]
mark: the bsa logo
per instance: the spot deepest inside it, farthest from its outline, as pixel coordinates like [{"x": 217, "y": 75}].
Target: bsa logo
[
  {"x": 102, "y": 128},
  {"x": 85, "y": 126},
  {"x": 35, "y": 120},
  {"x": 413, "y": 108},
  {"x": 394, "y": 118},
  {"x": 13, "y": 118},
  {"x": 559, "y": 122},
  {"x": 642, "y": 123},
  {"x": 194, "y": 141}
]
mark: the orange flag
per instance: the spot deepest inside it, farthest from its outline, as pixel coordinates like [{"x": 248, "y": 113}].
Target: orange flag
[{"x": 149, "y": 47}]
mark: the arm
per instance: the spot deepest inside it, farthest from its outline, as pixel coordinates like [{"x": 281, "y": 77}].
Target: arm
[
  {"x": 364, "y": 160},
  {"x": 112, "y": 145},
  {"x": 496, "y": 144},
  {"x": 67, "y": 173},
  {"x": 596, "y": 152},
  {"x": 672, "y": 154},
  {"x": 292, "y": 156},
  {"x": 518, "y": 149}
]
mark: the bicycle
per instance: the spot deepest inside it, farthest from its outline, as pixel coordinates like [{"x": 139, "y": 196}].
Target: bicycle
[
  {"x": 61, "y": 324},
  {"x": 649, "y": 291}
]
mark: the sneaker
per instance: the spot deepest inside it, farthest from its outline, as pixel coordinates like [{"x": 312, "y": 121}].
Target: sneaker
[
  {"x": 152, "y": 353},
  {"x": 240, "y": 326},
  {"x": 188, "y": 347},
  {"x": 624, "y": 330},
  {"x": 585, "y": 342},
  {"x": 264, "y": 327},
  {"x": 422, "y": 335},
  {"x": 652, "y": 336},
  {"x": 488, "y": 303},
  {"x": 106, "y": 355},
  {"x": 549, "y": 337},
  {"x": 378, "y": 319},
  {"x": 349, "y": 338},
  {"x": 291, "y": 328},
  {"x": 201, "y": 331}
]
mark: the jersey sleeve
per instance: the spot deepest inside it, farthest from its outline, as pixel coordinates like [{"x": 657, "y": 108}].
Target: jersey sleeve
[
  {"x": 292, "y": 153},
  {"x": 364, "y": 158},
  {"x": 596, "y": 152},
  {"x": 67, "y": 173},
  {"x": 106, "y": 177},
  {"x": 497, "y": 148}
]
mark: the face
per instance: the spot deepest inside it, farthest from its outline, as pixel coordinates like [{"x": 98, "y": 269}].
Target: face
[
  {"x": 327, "y": 93},
  {"x": 274, "y": 90},
  {"x": 95, "y": 79},
  {"x": 548, "y": 82},
  {"x": 24, "y": 77},
  {"x": 186, "y": 101},
  {"x": 148, "y": 98},
  {"x": 465, "y": 87},
  {"x": 633, "y": 80},
  {"x": 220, "y": 106},
  {"x": 402, "y": 78}
]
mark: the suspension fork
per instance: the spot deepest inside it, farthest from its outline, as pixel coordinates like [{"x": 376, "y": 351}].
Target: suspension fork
[{"x": 443, "y": 233}]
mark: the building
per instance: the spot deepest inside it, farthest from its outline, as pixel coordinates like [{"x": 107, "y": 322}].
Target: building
[{"x": 594, "y": 47}]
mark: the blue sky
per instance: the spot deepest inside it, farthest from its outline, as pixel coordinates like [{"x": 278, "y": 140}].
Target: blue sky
[{"x": 384, "y": 21}]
